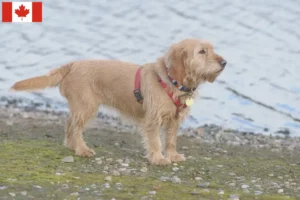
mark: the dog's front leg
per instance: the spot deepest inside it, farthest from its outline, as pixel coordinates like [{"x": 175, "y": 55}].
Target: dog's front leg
[
  {"x": 151, "y": 136},
  {"x": 171, "y": 141}
]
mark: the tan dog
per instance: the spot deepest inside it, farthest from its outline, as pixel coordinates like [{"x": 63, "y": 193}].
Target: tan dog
[{"x": 87, "y": 84}]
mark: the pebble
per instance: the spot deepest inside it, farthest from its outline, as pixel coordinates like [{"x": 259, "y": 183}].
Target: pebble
[
  {"x": 163, "y": 178},
  {"x": 105, "y": 168},
  {"x": 184, "y": 148},
  {"x": 109, "y": 159},
  {"x": 58, "y": 174},
  {"x": 2, "y": 187},
  {"x": 12, "y": 194},
  {"x": 119, "y": 161},
  {"x": 203, "y": 185},
  {"x": 176, "y": 180},
  {"x": 74, "y": 194},
  {"x": 116, "y": 173},
  {"x": 175, "y": 169},
  {"x": 144, "y": 169},
  {"x": 108, "y": 178},
  {"x": 245, "y": 186},
  {"x": 152, "y": 192},
  {"x": 271, "y": 175},
  {"x": 124, "y": 164},
  {"x": 258, "y": 192},
  {"x": 234, "y": 197},
  {"x": 220, "y": 192},
  {"x": 205, "y": 191},
  {"x": 24, "y": 193},
  {"x": 119, "y": 186},
  {"x": 232, "y": 174},
  {"x": 232, "y": 184},
  {"x": 93, "y": 186},
  {"x": 97, "y": 159},
  {"x": 68, "y": 159},
  {"x": 37, "y": 186},
  {"x": 220, "y": 166},
  {"x": 198, "y": 179},
  {"x": 87, "y": 189},
  {"x": 65, "y": 186},
  {"x": 280, "y": 191},
  {"x": 127, "y": 161},
  {"x": 106, "y": 185},
  {"x": 195, "y": 193},
  {"x": 122, "y": 169},
  {"x": 280, "y": 177}
]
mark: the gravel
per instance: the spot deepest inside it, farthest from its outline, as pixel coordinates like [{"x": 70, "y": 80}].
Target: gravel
[{"x": 68, "y": 159}]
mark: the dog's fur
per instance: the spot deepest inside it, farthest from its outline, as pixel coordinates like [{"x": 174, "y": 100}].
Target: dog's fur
[{"x": 89, "y": 83}]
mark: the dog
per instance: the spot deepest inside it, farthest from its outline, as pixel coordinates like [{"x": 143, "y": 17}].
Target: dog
[{"x": 156, "y": 95}]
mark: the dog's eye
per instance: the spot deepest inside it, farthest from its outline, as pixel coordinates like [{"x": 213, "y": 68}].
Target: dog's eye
[{"x": 202, "y": 51}]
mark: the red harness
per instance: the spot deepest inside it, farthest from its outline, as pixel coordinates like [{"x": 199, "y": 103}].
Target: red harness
[{"x": 139, "y": 97}]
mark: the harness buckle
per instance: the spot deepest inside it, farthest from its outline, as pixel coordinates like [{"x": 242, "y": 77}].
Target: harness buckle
[{"x": 138, "y": 95}]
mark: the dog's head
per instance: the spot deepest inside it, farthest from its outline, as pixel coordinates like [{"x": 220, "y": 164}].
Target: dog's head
[{"x": 193, "y": 61}]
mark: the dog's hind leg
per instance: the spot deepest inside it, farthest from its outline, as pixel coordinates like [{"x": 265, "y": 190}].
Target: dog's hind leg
[{"x": 81, "y": 112}]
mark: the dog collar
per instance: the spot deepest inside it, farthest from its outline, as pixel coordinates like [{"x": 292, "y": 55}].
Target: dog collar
[{"x": 180, "y": 87}]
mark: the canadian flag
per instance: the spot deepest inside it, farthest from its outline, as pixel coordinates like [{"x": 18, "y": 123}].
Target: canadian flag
[{"x": 21, "y": 11}]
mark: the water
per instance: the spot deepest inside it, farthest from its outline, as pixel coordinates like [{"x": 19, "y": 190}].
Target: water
[{"x": 259, "y": 90}]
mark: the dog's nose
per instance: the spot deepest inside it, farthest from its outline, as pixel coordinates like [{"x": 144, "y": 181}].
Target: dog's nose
[{"x": 223, "y": 63}]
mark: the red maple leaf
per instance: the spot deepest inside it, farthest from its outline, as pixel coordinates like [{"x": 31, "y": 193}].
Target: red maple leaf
[{"x": 22, "y": 12}]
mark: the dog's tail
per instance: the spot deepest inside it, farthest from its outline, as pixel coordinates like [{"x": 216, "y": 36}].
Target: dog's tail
[{"x": 53, "y": 79}]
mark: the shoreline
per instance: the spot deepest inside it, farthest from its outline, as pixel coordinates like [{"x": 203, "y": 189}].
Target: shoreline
[{"x": 220, "y": 163}]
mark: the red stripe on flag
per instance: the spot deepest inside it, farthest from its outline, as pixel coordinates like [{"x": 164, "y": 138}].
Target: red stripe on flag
[
  {"x": 6, "y": 11},
  {"x": 37, "y": 12}
]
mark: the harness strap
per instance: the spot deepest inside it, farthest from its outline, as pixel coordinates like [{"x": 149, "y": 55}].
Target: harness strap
[{"x": 137, "y": 86}]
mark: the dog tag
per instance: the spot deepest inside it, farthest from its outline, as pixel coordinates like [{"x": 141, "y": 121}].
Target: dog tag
[{"x": 189, "y": 102}]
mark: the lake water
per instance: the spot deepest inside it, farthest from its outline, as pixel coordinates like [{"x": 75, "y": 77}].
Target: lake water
[{"x": 259, "y": 90}]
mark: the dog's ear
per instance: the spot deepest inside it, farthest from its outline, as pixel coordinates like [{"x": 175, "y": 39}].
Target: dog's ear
[{"x": 175, "y": 57}]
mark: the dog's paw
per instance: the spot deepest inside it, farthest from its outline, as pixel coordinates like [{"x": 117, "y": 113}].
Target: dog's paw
[
  {"x": 162, "y": 161},
  {"x": 176, "y": 157},
  {"x": 85, "y": 152}
]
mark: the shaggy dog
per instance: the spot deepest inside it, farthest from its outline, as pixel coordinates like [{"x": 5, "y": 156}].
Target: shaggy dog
[{"x": 160, "y": 98}]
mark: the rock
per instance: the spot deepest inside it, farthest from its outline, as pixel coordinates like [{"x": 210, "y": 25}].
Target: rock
[
  {"x": 116, "y": 173},
  {"x": 2, "y": 187},
  {"x": 106, "y": 185},
  {"x": 108, "y": 178},
  {"x": 271, "y": 175},
  {"x": 122, "y": 169},
  {"x": 87, "y": 189},
  {"x": 205, "y": 191},
  {"x": 144, "y": 169},
  {"x": 119, "y": 186},
  {"x": 184, "y": 148},
  {"x": 232, "y": 184},
  {"x": 12, "y": 194},
  {"x": 232, "y": 174},
  {"x": 287, "y": 184},
  {"x": 24, "y": 193},
  {"x": 119, "y": 161},
  {"x": 75, "y": 194},
  {"x": 68, "y": 159},
  {"x": 234, "y": 197},
  {"x": 99, "y": 162},
  {"x": 198, "y": 178},
  {"x": 65, "y": 186},
  {"x": 253, "y": 181},
  {"x": 220, "y": 192},
  {"x": 97, "y": 159},
  {"x": 280, "y": 191},
  {"x": 175, "y": 169},
  {"x": 152, "y": 192},
  {"x": 203, "y": 185},
  {"x": 175, "y": 180},
  {"x": 164, "y": 178},
  {"x": 109, "y": 160},
  {"x": 220, "y": 166},
  {"x": 124, "y": 164},
  {"x": 127, "y": 161},
  {"x": 258, "y": 192},
  {"x": 245, "y": 186},
  {"x": 93, "y": 186},
  {"x": 195, "y": 193},
  {"x": 37, "y": 186},
  {"x": 58, "y": 174}
]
